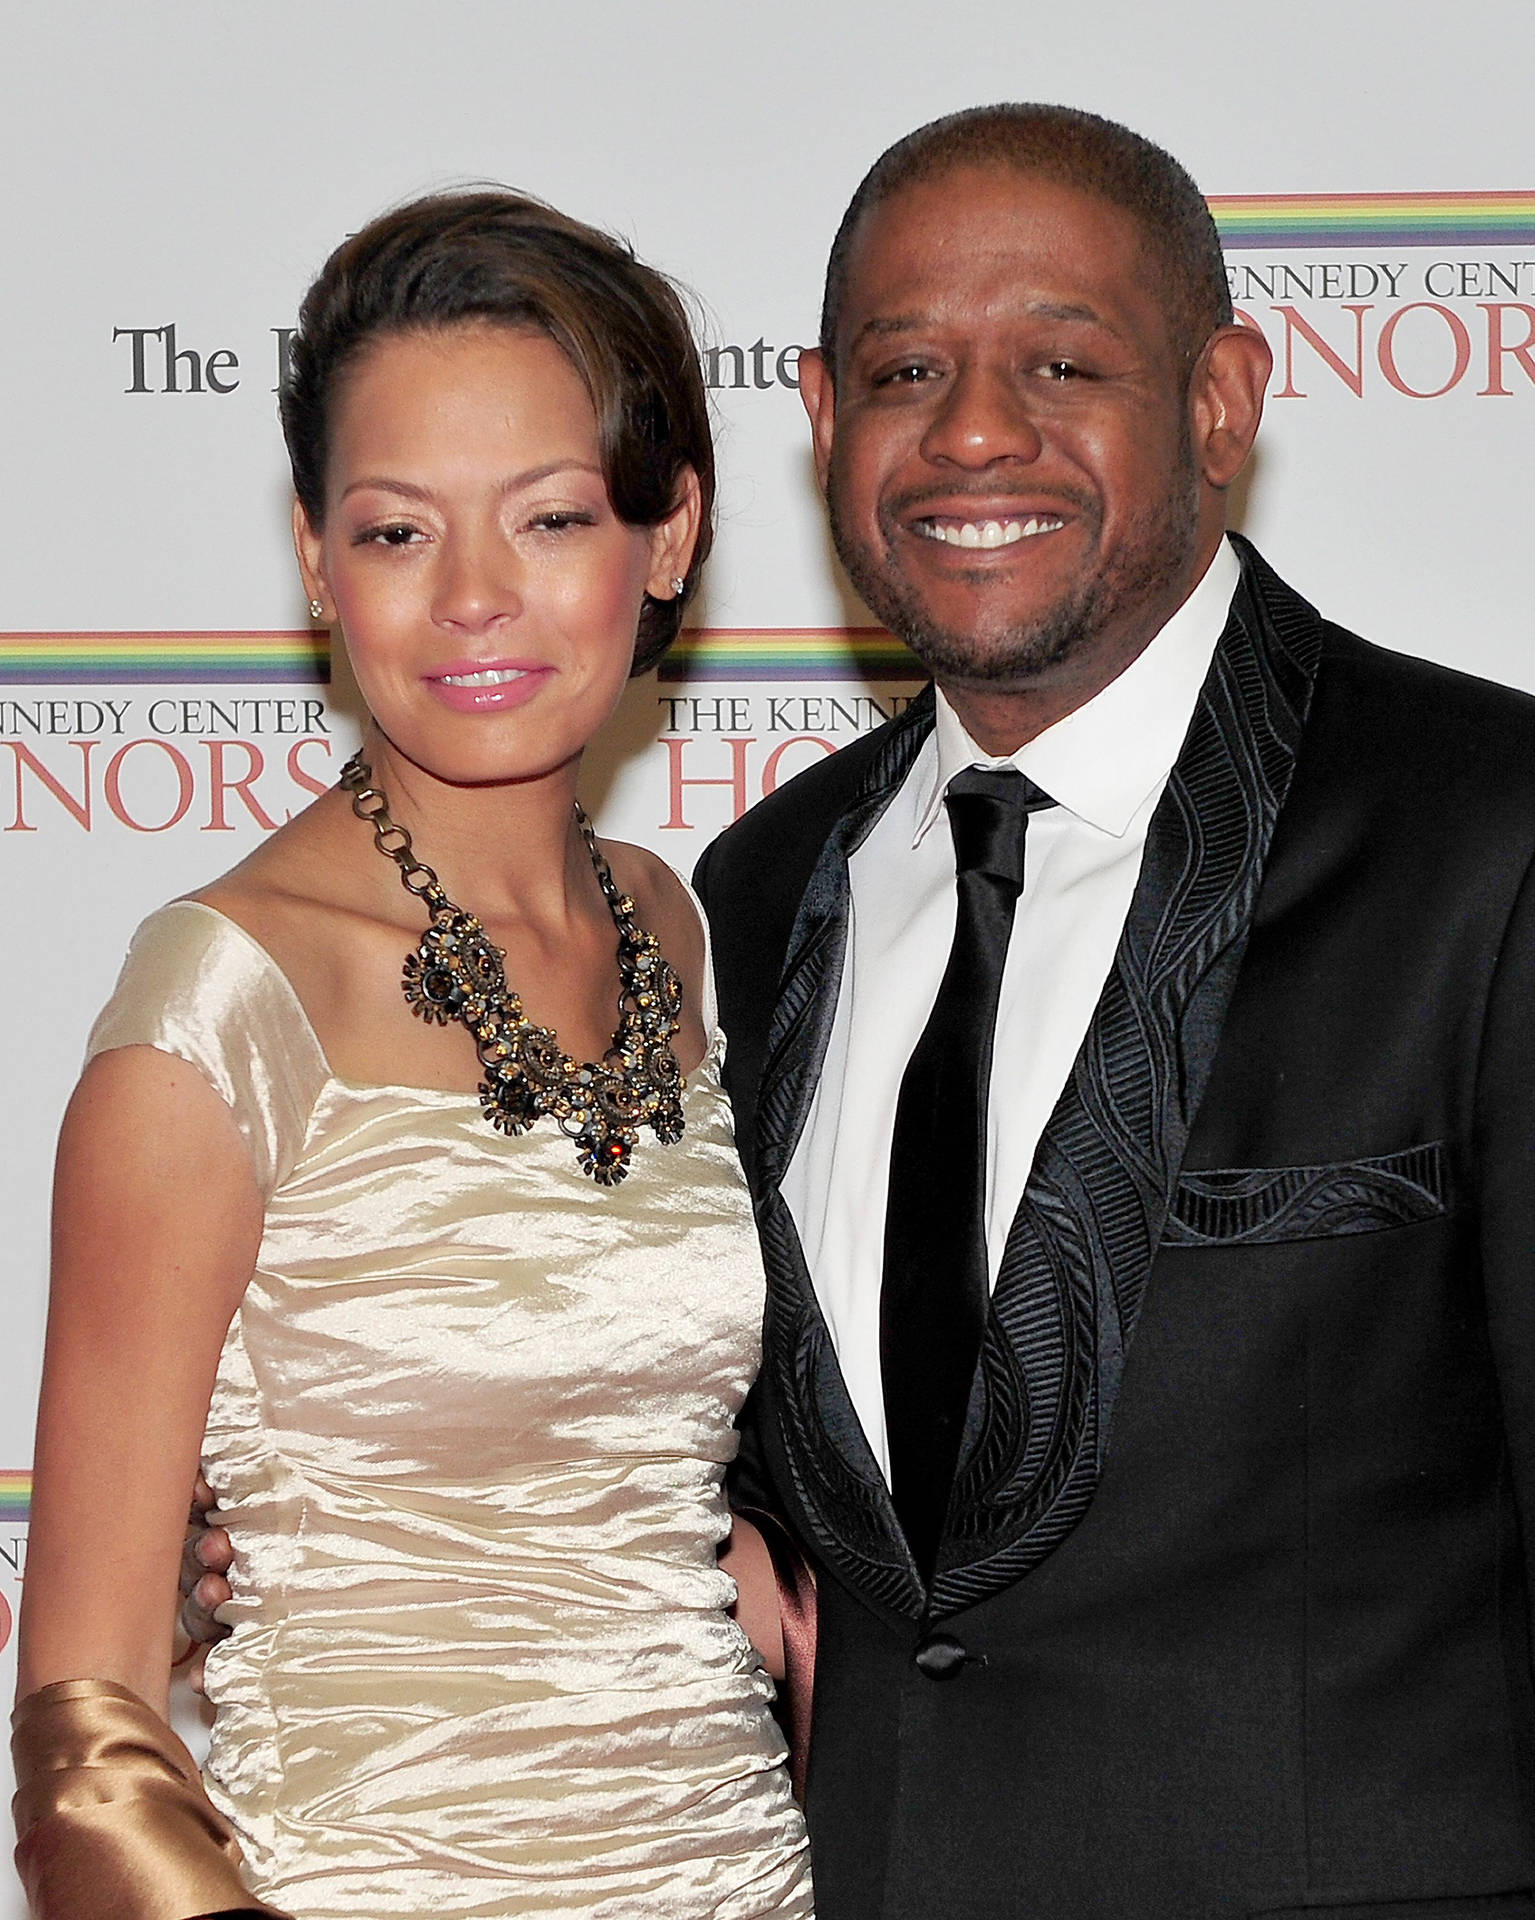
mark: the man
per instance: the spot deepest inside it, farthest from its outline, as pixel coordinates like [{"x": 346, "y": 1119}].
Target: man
[{"x": 1150, "y": 1337}]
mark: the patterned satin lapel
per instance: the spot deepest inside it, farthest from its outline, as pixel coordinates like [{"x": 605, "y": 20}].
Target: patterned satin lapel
[
  {"x": 843, "y": 1502},
  {"x": 1077, "y": 1260},
  {"x": 812, "y": 971}
]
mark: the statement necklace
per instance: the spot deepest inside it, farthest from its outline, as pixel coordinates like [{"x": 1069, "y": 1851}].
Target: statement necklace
[{"x": 456, "y": 974}]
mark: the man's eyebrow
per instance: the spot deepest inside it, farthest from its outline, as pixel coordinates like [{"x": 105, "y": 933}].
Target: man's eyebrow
[
  {"x": 883, "y": 326},
  {"x": 881, "y": 323},
  {"x": 1067, "y": 310}
]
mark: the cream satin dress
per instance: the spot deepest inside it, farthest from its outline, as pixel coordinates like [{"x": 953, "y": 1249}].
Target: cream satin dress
[{"x": 468, "y": 1436}]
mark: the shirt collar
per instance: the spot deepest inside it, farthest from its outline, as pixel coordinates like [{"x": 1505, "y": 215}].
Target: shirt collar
[{"x": 1103, "y": 761}]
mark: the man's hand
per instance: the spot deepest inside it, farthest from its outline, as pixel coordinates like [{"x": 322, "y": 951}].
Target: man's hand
[{"x": 205, "y": 1559}]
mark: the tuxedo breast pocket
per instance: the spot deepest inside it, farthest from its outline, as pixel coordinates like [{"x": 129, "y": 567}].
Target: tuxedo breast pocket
[{"x": 1266, "y": 1206}]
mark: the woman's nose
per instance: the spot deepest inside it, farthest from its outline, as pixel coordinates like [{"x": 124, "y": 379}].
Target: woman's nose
[{"x": 477, "y": 585}]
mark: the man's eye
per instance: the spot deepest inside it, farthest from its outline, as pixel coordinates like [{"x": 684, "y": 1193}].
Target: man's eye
[
  {"x": 909, "y": 374},
  {"x": 1061, "y": 370}
]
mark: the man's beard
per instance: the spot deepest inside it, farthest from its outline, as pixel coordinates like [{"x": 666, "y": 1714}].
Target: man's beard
[{"x": 1151, "y": 558}]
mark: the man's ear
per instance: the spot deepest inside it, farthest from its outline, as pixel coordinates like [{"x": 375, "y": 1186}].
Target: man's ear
[
  {"x": 1226, "y": 400},
  {"x": 820, "y": 401},
  {"x": 307, "y": 546}
]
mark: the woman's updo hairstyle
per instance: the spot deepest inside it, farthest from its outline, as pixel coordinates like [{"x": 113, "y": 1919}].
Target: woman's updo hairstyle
[{"x": 491, "y": 254}]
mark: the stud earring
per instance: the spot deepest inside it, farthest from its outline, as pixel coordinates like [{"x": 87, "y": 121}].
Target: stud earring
[
  {"x": 316, "y": 609},
  {"x": 679, "y": 585}
]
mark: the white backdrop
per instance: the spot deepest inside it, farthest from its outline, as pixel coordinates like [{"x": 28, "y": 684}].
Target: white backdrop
[{"x": 175, "y": 174}]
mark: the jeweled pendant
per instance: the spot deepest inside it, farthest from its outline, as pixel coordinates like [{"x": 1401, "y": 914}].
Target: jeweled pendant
[
  {"x": 507, "y": 1102},
  {"x": 456, "y": 974}
]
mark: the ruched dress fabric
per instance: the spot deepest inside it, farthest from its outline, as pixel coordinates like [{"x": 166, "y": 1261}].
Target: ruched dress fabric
[{"x": 468, "y": 1436}]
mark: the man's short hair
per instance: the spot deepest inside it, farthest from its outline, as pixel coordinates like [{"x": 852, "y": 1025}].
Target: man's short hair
[{"x": 1069, "y": 148}]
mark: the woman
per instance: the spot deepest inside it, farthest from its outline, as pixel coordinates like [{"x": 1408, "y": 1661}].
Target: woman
[{"x": 472, "y": 1291}]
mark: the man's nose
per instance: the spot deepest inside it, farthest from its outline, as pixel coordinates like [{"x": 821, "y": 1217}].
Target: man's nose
[
  {"x": 983, "y": 418},
  {"x": 477, "y": 584}
]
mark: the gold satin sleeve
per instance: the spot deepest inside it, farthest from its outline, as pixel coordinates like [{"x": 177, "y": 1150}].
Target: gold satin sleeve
[
  {"x": 196, "y": 985},
  {"x": 112, "y": 1822}
]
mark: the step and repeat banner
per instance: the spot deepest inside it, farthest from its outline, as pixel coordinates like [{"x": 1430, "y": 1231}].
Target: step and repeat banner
[{"x": 177, "y": 173}]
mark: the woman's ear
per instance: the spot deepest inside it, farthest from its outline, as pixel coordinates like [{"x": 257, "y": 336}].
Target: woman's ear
[
  {"x": 672, "y": 542},
  {"x": 307, "y": 546}
]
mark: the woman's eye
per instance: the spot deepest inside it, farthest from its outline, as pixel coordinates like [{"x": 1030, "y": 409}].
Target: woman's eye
[
  {"x": 557, "y": 519},
  {"x": 393, "y": 533}
]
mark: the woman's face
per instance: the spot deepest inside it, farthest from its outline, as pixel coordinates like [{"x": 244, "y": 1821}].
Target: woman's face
[{"x": 487, "y": 591}]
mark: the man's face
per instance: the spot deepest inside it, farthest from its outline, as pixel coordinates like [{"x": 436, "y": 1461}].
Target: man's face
[{"x": 1007, "y": 453}]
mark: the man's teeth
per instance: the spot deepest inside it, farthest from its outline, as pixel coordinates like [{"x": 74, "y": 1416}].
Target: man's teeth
[
  {"x": 988, "y": 533},
  {"x": 490, "y": 677}
]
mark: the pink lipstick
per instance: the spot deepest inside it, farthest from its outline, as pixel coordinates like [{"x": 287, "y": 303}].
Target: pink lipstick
[{"x": 487, "y": 686}]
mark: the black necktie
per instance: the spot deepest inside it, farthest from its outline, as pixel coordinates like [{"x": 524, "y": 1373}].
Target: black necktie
[{"x": 935, "y": 1291}]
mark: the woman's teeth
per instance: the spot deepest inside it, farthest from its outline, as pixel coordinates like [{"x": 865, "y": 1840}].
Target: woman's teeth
[
  {"x": 491, "y": 677},
  {"x": 988, "y": 533}
]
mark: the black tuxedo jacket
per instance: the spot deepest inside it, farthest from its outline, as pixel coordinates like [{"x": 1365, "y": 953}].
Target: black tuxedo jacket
[{"x": 1238, "y": 1540}]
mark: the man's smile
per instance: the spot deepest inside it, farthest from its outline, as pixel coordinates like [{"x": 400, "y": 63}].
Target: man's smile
[{"x": 954, "y": 532}]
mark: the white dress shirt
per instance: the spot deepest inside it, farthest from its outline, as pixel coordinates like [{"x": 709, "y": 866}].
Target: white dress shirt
[{"x": 1105, "y": 766}]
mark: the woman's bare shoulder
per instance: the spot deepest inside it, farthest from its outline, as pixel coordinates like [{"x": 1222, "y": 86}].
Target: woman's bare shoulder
[{"x": 309, "y": 906}]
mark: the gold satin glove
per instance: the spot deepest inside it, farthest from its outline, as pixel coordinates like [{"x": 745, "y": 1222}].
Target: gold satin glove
[{"x": 112, "y": 1822}]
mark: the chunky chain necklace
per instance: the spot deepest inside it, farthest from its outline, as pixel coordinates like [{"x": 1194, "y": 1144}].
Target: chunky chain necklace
[{"x": 456, "y": 974}]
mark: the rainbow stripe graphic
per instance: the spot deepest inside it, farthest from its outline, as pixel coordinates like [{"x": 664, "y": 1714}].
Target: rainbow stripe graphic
[
  {"x": 788, "y": 653},
  {"x": 274, "y": 658},
  {"x": 15, "y": 1496},
  {"x": 281, "y": 658},
  {"x": 1375, "y": 219}
]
